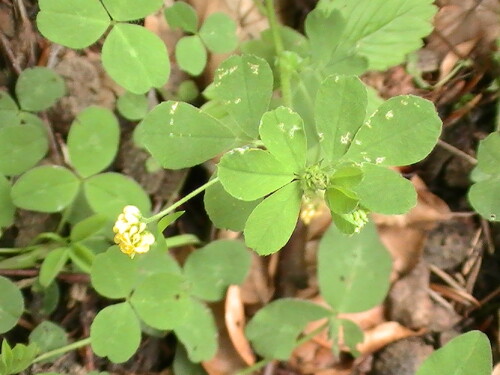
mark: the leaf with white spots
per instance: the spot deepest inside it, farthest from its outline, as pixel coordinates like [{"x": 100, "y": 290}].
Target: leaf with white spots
[
  {"x": 385, "y": 191},
  {"x": 179, "y": 135},
  {"x": 271, "y": 224},
  {"x": 402, "y": 131},
  {"x": 244, "y": 84},
  {"x": 249, "y": 173},
  {"x": 282, "y": 132},
  {"x": 340, "y": 109}
]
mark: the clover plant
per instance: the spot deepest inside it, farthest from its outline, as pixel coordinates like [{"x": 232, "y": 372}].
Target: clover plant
[{"x": 290, "y": 126}]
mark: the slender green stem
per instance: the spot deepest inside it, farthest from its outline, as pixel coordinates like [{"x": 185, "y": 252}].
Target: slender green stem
[
  {"x": 254, "y": 367},
  {"x": 286, "y": 89},
  {"x": 64, "y": 349},
  {"x": 180, "y": 202}
]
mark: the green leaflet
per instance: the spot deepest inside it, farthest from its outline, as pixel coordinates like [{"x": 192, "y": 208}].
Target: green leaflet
[{"x": 173, "y": 128}]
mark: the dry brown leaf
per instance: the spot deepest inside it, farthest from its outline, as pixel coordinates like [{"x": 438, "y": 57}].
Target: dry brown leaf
[
  {"x": 383, "y": 334},
  {"x": 227, "y": 361},
  {"x": 451, "y": 58},
  {"x": 496, "y": 370},
  {"x": 257, "y": 287},
  {"x": 235, "y": 323}
]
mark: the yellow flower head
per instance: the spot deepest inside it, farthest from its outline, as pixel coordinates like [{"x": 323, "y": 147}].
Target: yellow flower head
[{"x": 131, "y": 234}]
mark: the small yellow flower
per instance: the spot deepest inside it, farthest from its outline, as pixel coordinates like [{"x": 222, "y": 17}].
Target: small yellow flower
[{"x": 131, "y": 234}]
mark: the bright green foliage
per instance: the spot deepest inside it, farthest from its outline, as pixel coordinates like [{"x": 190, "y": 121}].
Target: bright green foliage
[
  {"x": 182, "y": 15},
  {"x": 183, "y": 366},
  {"x": 88, "y": 227},
  {"x": 8, "y": 110},
  {"x": 162, "y": 301},
  {"x": 127, "y": 55},
  {"x": 218, "y": 32},
  {"x": 23, "y": 146},
  {"x": 113, "y": 275},
  {"x": 14, "y": 360},
  {"x": 340, "y": 110},
  {"x": 214, "y": 267},
  {"x": 282, "y": 131},
  {"x": 188, "y": 91},
  {"x": 402, "y": 131},
  {"x": 45, "y": 189},
  {"x": 171, "y": 128},
  {"x": 483, "y": 195},
  {"x": 132, "y": 106},
  {"x": 274, "y": 329},
  {"x": 48, "y": 336},
  {"x": 225, "y": 211},
  {"x": 353, "y": 272},
  {"x": 157, "y": 260},
  {"x": 52, "y": 265},
  {"x": 345, "y": 331},
  {"x": 385, "y": 191},
  {"x": 8, "y": 209},
  {"x": 200, "y": 335},
  {"x": 93, "y": 140},
  {"x": 108, "y": 193},
  {"x": 466, "y": 354},
  {"x": 243, "y": 84},
  {"x": 11, "y": 304},
  {"x": 263, "y": 232},
  {"x": 379, "y": 30},
  {"x": 251, "y": 173},
  {"x": 39, "y": 88},
  {"x": 191, "y": 55},
  {"x": 72, "y": 23},
  {"x": 129, "y": 10},
  {"x": 115, "y": 332}
]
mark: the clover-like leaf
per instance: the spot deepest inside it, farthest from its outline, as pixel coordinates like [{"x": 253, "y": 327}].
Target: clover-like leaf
[
  {"x": 488, "y": 154},
  {"x": 469, "y": 353},
  {"x": 108, "y": 193},
  {"x": 191, "y": 54},
  {"x": 214, "y": 267},
  {"x": 113, "y": 274},
  {"x": 218, "y": 32},
  {"x": 483, "y": 196},
  {"x": 171, "y": 128},
  {"x": 11, "y": 304},
  {"x": 183, "y": 16},
  {"x": 23, "y": 146},
  {"x": 340, "y": 109},
  {"x": 48, "y": 336},
  {"x": 402, "y": 131},
  {"x": 282, "y": 132},
  {"x": 271, "y": 223},
  {"x": 132, "y": 106},
  {"x": 45, "y": 189},
  {"x": 249, "y": 173},
  {"x": 385, "y": 191},
  {"x": 244, "y": 84},
  {"x": 128, "y": 55},
  {"x": 8, "y": 208},
  {"x": 162, "y": 300},
  {"x": 38, "y": 88},
  {"x": 9, "y": 111},
  {"x": 225, "y": 211},
  {"x": 72, "y": 23},
  {"x": 129, "y": 10},
  {"x": 353, "y": 272},
  {"x": 274, "y": 329},
  {"x": 93, "y": 140},
  {"x": 199, "y": 334},
  {"x": 121, "y": 321},
  {"x": 345, "y": 332}
]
